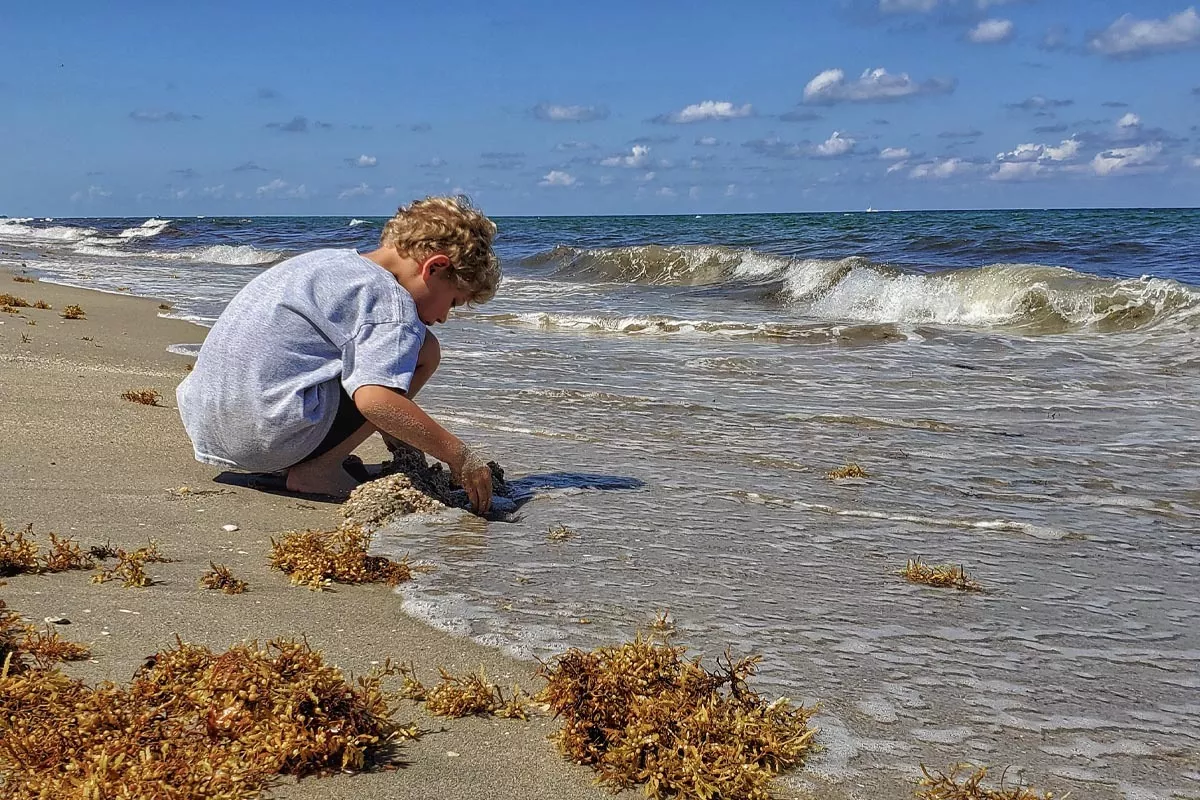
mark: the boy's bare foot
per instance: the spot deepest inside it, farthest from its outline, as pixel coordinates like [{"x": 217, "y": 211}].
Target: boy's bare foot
[{"x": 336, "y": 482}]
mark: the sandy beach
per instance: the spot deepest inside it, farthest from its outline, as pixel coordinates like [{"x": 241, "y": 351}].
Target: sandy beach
[{"x": 81, "y": 461}]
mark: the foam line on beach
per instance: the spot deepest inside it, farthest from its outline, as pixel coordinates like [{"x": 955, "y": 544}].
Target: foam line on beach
[{"x": 1003, "y": 525}]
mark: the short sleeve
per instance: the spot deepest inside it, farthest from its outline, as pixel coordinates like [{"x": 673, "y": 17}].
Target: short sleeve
[{"x": 384, "y": 354}]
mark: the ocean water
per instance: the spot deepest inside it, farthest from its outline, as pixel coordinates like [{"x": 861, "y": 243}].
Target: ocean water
[{"x": 1023, "y": 389}]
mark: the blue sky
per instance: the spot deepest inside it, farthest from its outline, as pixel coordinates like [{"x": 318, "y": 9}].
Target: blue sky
[{"x": 138, "y": 108}]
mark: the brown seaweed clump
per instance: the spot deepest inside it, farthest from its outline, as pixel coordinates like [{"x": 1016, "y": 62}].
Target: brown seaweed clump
[
  {"x": 130, "y": 568},
  {"x": 642, "y": 713},
  {"x": 13, "y": 301},
  {"x": 73, "y": 312},
  {"x": 192, "y": 724},
  {"x": 42, "y": 305},
  {"x": 21, "y": 643},
  {"x": 945, "y": 576},
  {"x": 23, "y": 279},
  {"x": 468, "y": 695},
  {"x": 147, "y": 397},
  {"x": 18, "y": 553},
  {"x": 219, "y": 577},
  {"x": 851, "y": 470},
  {"x": 938, "y": 785},
  {"x": 65, "y": 554},
  {"x": 317, "y": 558}
]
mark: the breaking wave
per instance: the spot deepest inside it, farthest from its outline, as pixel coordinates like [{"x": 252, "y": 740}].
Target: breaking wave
[{"x": 1027, "y": 297}]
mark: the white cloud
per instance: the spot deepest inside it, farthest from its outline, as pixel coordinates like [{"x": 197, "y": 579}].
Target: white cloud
[
  {"x": 93, "y": 192},
  {"x": 1130, "y": 120},
  {"x": 362, "y": 190},
  {"x": 897, "y": 166},
  {"x": 1017, "y": 171},
  {"x": 1040, "y": 153},
  {"x": 1125, "y": 159},
  {"x": 574, "y": 145},
  {"x": 281, "y": 188},
  {"x": 214, "y": 191},
  {"x": 940, "y": 169},
  {"x": 705, "y": 111},
  {"x": 874, "y": 85},
  {"x": 708, "y": 141},
  {"x": 1068, "y": 149},
  {"x": 1129, "y": 37},
  {"x": 991, "y": 31},
  {"x": 550, "y": 112},
  {"x": 557, "y": 177},
  {"x": 835, "y": 145},
  {"x": 648, "y": 177},
  {"x": 364, "y": 161},
  {"x": 665, "y": 191},
  {"x": 893, "y": 153},
  {"x": 1193, "y": 161},
  {"x": 388, "y": 191},
  {"x": 694, "y": 192},
  {"x": 638, "y": 157},
  {"x": 606, "y": 180}
]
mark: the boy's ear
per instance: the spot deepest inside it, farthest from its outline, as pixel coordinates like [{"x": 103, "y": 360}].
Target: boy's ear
[{"x": 432, "y": 264}]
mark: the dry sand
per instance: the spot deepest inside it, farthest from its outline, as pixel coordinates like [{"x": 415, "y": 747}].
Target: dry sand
[{"x": 77, "y": 459}]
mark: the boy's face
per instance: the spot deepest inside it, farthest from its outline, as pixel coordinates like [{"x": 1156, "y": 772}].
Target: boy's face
[{"x": 442, "y": 291}]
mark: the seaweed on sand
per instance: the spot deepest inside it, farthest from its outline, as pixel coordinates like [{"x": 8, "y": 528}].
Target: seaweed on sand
[
  {"x": 953, "y": 785},
  {"x": 13, "y": 301},
  {"x": 641, "y": 713},
  {"x": 47, "y": 648},
  {"x": 130, "y": 568},
  {"x": 468, "y": 695},
  {"x": 65, "y": 554},
  {"x": 74, "y": 312},
  {"x": 42, "y": 305},
  {"x": 21, "y": 643},
  {"x": 146, "y": 397},
  {"x": 945, "y": 576},
  {"x": 317, "y": 558},
  {"x": 219, "y": 577},
  {"x": 192, "y": 724},
  {"x": 18, "y": 553},
  {"x": 23, "y": 279}
]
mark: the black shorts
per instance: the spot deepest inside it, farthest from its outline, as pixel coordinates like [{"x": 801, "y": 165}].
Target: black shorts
[{"x": 347, "y": 420}]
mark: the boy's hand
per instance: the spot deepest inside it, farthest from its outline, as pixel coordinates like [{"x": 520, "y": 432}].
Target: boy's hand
[{"x": 474, "y": 475}]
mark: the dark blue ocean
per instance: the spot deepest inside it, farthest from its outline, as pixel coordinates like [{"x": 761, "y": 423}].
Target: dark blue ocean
[{"x": 1021, "y": 387}]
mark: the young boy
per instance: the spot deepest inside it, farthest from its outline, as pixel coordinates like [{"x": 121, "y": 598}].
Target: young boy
[{"x": 320, "y": 351}]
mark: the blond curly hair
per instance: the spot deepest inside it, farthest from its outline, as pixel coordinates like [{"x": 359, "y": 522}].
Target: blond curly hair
[{"x": 453, "y": 227}]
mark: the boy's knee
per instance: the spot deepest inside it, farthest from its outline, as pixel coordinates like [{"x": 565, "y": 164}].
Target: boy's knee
[{"x": 431, "y": 352}]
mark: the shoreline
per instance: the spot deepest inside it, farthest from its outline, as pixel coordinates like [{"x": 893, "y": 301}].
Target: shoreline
[{"x": 91, "y": 466}]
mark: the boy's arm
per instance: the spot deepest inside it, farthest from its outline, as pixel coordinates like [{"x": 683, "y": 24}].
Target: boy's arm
[{"x": 393, "y": 413}]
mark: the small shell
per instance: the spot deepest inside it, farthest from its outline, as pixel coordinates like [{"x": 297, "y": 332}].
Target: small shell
[{"x": 229, "y": 528}]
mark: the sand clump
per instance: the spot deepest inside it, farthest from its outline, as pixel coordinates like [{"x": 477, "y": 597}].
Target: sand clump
[{"x": 408, "y": 484}]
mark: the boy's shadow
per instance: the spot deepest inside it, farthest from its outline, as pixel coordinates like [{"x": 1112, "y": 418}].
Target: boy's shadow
[{"x": 506, "y": 502}]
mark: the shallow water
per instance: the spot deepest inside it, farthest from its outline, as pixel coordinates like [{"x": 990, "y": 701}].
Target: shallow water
[{"x": 678, "y": 404}]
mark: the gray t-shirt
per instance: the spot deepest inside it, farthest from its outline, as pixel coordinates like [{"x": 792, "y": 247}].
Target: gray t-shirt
[{"x": 264, "y": 390}]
